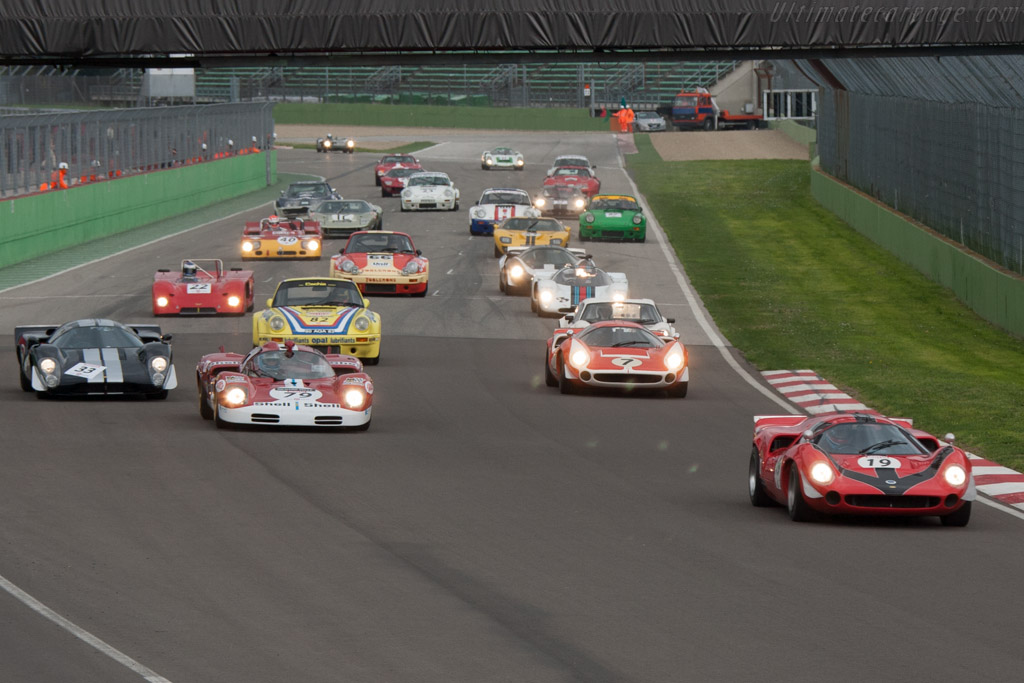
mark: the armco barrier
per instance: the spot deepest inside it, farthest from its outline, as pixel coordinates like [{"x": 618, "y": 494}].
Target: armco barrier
[
  {"x": 43, "y": 223},
  {"x": 993, "y": 294}
]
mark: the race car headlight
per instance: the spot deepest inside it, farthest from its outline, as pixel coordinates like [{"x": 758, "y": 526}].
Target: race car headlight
[
  {"x": 821, "y": 473},
  {"x": 406, "y": 194},
  {"x": 479, "y": 212},
  {"x": 276, "y": 323},
  {"x": 489, "y": 161},
  {"x": 362, "y": 324},
  {"x": 955, "y": 475},
  {"x": 589, "y": 218},
  {"x": 157, "y": 363},
  {"x": 638, "y": 219},
  {"x": 546, "y": 297},
  {"x": 310, "y": 245},
  {"x": 674, "y": 361},
  {"x": 556, "y": 241},
  {"x": 235, "y": 396},
  {"x": 579, "y": 358},
  {"x": 353, "y": 399},
  {"x": 233, "y": 301},
  {"x": 505, "y": 240},
  {"x": 540, "y": 202},
  {"x": 618, "y": 296},
  {"x": 516, "y": 272},
  {"x": 48, "y": 366},
  {"x": 580, "y": 203},
  {"x": 250, "y": 245},
  {"x": 327, "y": 143},
  {"x": 350, "y": 143},
  {"x": 411, "y": 268},
  {"x": 448, "y": 194},
  {"x": 349, "y": 267},
  {"x": 162, "y": 301},
  {"x": 519, "y": 162}
]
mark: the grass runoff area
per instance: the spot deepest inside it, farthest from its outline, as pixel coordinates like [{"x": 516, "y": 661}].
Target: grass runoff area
[
  {"x": 793, "y": 287},
  {"x": 435, "y": 116}
]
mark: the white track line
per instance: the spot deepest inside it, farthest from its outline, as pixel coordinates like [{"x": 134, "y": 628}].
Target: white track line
[
  {"x": 691, "y": 298},
  {"x": 81, "y": 634}
]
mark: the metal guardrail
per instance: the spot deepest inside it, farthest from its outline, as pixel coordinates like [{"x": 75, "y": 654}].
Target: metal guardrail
[{"x": 103, "y": 144}]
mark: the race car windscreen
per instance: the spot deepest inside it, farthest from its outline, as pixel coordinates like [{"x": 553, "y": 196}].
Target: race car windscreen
[
  {"x": 620, "y": 204},
  {"x": 397, "y": 159},
  {"x": 569, "y": 170},
  {"x": 343, "y": 207},
  {"x": 319, "y": 293},
  {"x": 582, "y": 277},
  {"x": 572, "y": 161},
  {"x": 96, "y": 337},
  {"x": 379, "y": 243},
  {"x": 538, "y": 224},
  {"x": 542, "y": 256},
  {"x": 401, "y": 172},
  {"x": 613, "y": 336},
  {"x": 310, "y": 190},
  {"x": 645, "y": 314},
  {"x": 868, "y": 438},
  {"x": 516, "y": 198},
  {"x": 428, "y": 181},
  {"x": 278, "y": 365}
]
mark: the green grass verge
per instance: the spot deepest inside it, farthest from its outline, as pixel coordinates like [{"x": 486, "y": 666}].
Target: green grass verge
[
  {"x": 407, "y": 148},
  {"x": 793, "y": 287},
  {"x": 433, "y": 116}
]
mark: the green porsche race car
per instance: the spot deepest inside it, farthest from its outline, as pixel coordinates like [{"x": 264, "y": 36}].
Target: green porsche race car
[{"x": 615, "y": 217}]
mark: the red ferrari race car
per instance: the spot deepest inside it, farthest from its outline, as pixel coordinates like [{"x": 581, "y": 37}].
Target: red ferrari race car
[
  {"x": 393, "y": 182},
  {"x": 202, "y": 287},
  {"x": 287, "y": 385},
  {"x": 383, "y": 262},
  {"x": 616, "y": 354},
  {"x": 575, "y": 176},
  {"x": 858, "y": 464},
  {"x": 390, "y": 161},
  {"x": 275, "y": 237}
]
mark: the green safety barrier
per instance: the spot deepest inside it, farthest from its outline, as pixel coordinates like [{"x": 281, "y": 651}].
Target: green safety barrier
[
  {"x": 995, "y": 295},
  {"x": 44, "y": 223}
]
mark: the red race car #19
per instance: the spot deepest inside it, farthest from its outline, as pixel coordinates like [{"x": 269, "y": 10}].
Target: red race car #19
[
  {"x": 202, "y": 286},
  {"x": 285, "y": 385},
  {"x": 575, "y": 176},
  {"x": 858, "y": 464}
]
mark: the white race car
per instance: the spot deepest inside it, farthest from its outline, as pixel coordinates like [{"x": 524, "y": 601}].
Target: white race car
[
  {"x": 495, "y": 205},
  {"x": 428, "y": 191},
  {"x": 557, "y": 292},
  {"x": 574, "y": 160},
  {"x": 502, "y": 157},
  {"x": 643, "y": 311},
  {"x": 518, "y": 264}
]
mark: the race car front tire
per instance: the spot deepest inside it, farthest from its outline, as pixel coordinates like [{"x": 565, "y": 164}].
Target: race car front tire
[
  {"x": 424, "y": 292},
  {"x": 158, "y": 395},
  {"x": 565, "y": 385},
  {"x": 758, "y": 497},
  {"x": 205, "y": 411},
  {"x": 23, "y": 365},
  {"x": 679, "y": 390},
  {"x": 959, "y": 518},
  {"x": 796, "y": 505},
  {"x": 549, "y": 378},
  {"x": 497, "y": 251}
]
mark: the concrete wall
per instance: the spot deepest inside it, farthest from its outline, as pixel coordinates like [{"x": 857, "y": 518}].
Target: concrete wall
[
  {"x": 40, "y": 224},
  {"x": 995, "y": 295},
  {"x": 737, "y": 88}
]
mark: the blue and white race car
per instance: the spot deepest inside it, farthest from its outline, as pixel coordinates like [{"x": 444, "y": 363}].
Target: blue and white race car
[
  {"x": 558, "y": 292},
  {"x": 495, "y": 205}
]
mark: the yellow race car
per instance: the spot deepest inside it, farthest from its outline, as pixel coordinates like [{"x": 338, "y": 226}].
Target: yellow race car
[
  {"x": 328, "y": 314},
  {"x": 524, "y": 231}
]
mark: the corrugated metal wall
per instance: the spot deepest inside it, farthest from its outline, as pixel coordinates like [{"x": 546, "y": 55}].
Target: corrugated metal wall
[{"x": 941, "y": 140}]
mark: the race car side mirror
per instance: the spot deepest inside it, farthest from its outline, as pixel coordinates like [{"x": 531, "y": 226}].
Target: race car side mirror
[
  {"x": 166, "y": 337},
  {"x": 419, "y": 252},
  {"x": 270, "y": 303},
  {"x": 949, "y": 438},
  {"x": 808, "y": 435},
  {"x": 569, "y": 318},
  {"x": 670, "y": 321}
]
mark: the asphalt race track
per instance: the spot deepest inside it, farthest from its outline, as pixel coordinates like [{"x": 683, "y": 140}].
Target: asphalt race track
[{"x": 486, "y": 528}]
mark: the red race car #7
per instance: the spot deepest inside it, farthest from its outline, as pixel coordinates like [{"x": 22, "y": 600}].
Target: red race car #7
[
  {"x": 858, "y": 464},
  {"x": 203, "y": 287},
  {"x": 287, "y": 385},
  {"x": 616, "y": 355}
]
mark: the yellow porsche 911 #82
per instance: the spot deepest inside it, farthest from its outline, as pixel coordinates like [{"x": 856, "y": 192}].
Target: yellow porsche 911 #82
[
  {"x": 528, "y": 232},
  {"x": 328, "y": 314}
]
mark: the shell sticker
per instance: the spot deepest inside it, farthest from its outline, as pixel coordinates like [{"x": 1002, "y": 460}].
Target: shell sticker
[{"x": 219, "y": 387}]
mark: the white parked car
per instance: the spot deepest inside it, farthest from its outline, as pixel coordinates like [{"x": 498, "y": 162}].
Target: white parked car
[
  {"x": 502, "y": 157},
  {"x": 495, "y": 205},
  {"x": 556, "y": 293},
  {"x": 643, "y": 311},
  {"x": 429, "y": 190},
  {"x": 574, "y": 160},
  {"x": 649, "y": 122}
]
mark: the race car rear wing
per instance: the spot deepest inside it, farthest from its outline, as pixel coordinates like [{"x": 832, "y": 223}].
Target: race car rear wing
[
  {"x": 33, "y": 334},
  {"x": 515, "y": 251}
]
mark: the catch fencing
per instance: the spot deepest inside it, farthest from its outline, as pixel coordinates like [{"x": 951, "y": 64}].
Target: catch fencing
[
  {"x": 941, "y": 141},
  {"x": 104, "y": 144}
]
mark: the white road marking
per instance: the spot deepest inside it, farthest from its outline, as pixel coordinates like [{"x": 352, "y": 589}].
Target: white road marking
[
  {"x": 436, "y": 292},
  {"x": 691, "y": 298},
  {"x": 81, "y": 634},
  {"x": 450, "y": 271}
]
